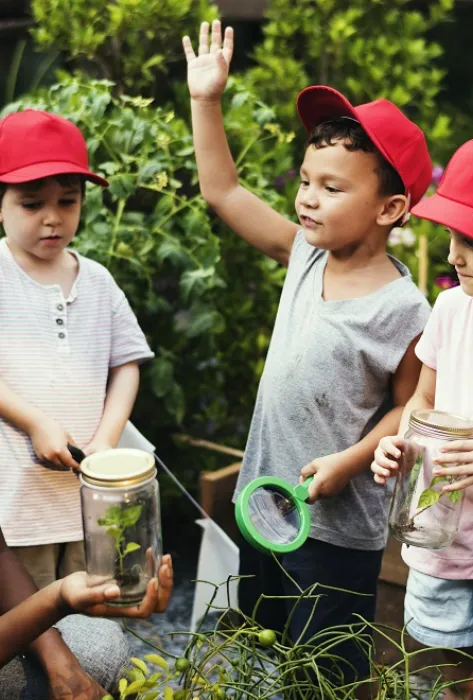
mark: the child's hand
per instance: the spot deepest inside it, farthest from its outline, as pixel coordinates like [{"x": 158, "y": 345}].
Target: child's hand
[
  {"x": 96, "y": 446},
  {"x": 78, "y": 595},
  {"x": 460, "y": 454},
  {"x": 50, "y": 442},
  {"x": 386, "y": 458},
  {"x": 329, "y": 477},
  {"x": 207, "y": 74}
]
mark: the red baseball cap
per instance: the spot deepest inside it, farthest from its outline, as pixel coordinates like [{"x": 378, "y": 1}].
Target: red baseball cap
[
  {"x": 36, "y": 144},
  {"x": 452, "y": 204},
  {"x": 395, "y": 136}
]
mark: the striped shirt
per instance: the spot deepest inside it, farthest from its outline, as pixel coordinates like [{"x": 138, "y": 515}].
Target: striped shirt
[{"x": 56, "y": 353}]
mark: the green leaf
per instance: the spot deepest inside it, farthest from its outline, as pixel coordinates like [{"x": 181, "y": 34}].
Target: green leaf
[
  {"x": 131, "y": 547},
  {"x": 428, "y": 498},
  {"x": 138, "y": 662},
  {"x": 130, "y": 516},
  {"x": 437, "y": 480},
  {"x": 157, "y": 660},
  {"x": 455, "y": 496}
]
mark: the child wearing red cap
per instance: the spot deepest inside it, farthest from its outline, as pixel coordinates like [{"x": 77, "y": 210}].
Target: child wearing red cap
[
  {"x": 70, "y": 344},
  {"x": 341, "y": 365},
  {"x": 69, "y": 353},
  {"x": 442, "y": 580}
]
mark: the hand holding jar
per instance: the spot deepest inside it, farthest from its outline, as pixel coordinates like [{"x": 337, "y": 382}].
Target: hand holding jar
[
  {"x": 426, "y": 504},
  {"x": 392, "y": 453},
  {"x": 455, "y": 462}
]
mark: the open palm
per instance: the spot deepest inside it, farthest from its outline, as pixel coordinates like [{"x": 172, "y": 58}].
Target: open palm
[{"x": 207, "y": 73}]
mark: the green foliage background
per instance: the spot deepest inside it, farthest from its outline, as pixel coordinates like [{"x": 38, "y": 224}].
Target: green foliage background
[{"x": 205, "y": 299}]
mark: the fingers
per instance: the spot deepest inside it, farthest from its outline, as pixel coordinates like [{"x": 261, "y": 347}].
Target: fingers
[
  {"x": 216, "y": 38},
  {"x": 188, "y": 50},
  {"x": 215, "y": 41},
  {"x": 204, "y": 39},
  {"x": 308, "y": 470},
  {"x": 228, "y": 43},
  {"x": 67, "y": 459},
  {"x": 457, "y": 470},
  {"x": 458, "y": 446},
  {"x": 381, "y": 475},
  {"x": 458, "y": 485},
  {"x": 454, "y": 458}
]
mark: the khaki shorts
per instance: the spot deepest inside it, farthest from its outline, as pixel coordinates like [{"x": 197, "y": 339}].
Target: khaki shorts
[{"x": 46, "y": 563}]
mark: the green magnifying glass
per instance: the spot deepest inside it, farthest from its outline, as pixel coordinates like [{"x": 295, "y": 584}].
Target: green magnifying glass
[{"x": 273, "y": 515}]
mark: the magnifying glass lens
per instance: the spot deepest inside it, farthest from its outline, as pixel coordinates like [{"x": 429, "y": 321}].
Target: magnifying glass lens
[{"x": 274, "y": 515}]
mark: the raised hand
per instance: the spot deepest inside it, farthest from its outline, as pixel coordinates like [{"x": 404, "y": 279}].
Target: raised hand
[{"x": 207, "y": 73}]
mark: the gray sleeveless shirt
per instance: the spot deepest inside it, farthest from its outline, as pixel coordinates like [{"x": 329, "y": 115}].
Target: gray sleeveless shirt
[{"x": 326, "y": 384}]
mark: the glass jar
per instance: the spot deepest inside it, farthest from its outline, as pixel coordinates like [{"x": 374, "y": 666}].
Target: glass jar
[
  {"x": 420, "y": 514},
  {"x": 121, "y": 520}
]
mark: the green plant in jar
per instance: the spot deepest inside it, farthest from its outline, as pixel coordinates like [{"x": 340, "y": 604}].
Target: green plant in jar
[
  {"x": 117, "y": 520},
  {"x": 429, "y": 496}
]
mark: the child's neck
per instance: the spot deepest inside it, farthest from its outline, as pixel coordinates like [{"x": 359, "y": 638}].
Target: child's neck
[
  {"x": 357, "y": 273},
  {"x": 61, "y": 270}
]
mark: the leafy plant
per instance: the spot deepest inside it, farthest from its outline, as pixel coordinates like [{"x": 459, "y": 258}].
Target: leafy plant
[
  {"x": 365, "y": 50},
  {"x": 431, "y": 496},
  {"x": 204, "y": 298},
  {"x": 132, "y": 42},
  {"x": 232, "y": 656},
  {"x": 117, "y": 520}
]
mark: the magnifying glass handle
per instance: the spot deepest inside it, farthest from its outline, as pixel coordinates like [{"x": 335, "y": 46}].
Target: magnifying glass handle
[{"x": 301, "y": 491}]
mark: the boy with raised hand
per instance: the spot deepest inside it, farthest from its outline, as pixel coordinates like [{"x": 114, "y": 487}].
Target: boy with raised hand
[
  {"x": 341, "y": 363},
  {"x": 439, "y": 594},
  {"x": 70, "y": 345},
  {"x": 92, "y": 666}
]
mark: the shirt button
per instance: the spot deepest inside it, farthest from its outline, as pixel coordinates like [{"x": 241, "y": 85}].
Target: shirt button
[
  {"x": 61, "y": 335},
  {"x": 60, "y": 307},
  {"x": 59, "y": 322}
]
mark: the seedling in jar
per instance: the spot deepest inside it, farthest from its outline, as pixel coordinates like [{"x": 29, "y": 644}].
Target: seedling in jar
[
  {"x": 430, "y": 496},
  {"x": 117, "y": 520}
]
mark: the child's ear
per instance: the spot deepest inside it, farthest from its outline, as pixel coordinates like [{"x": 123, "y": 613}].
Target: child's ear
[{"x": 393, "y": 209}]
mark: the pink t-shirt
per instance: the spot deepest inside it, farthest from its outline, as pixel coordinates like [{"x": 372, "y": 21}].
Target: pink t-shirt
[
  {"x": 56, "y": 353},
  {"x": 447, "y": 346}
]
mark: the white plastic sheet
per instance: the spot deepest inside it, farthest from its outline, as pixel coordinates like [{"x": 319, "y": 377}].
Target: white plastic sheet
[{"x": 219, "y": 558}]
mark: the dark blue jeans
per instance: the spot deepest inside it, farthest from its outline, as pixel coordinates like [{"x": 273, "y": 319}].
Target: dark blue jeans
[{"x": 315, "y": 562}]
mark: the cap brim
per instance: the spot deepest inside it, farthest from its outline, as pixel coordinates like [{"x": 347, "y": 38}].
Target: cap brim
[
  {"x": 37, "y": 171},
  {"x": 320, "y": 103},
  {"x": 446, "y": 212}
]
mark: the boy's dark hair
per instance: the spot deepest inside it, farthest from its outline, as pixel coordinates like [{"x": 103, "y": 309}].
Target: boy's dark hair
[
  {"x": 66, "y": 180},
  {"x": 355, "y": 139}
]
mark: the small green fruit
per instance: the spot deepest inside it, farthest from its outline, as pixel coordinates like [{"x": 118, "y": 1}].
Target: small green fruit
[
  {"x": 267, "y": 638},
  {"x": 182, "y": 664}
]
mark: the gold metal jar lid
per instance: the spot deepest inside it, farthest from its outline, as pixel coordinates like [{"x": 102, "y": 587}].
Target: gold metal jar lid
[
  {"x": 440, "y": 424},
  {"x": 121, "y": 467}
]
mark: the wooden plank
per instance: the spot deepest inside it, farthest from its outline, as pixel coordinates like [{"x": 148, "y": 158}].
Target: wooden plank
[{"x": 393, "y": 568}]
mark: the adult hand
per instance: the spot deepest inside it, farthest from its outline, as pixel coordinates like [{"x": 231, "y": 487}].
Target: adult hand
[
  {"x": 77, "y": 593},
  {"x": 455, "y": 462},
  {"x": 207, "y": 73},
  {"x": 71, "y": 682},
  {"x": 329, "y": 477},
  {"x": 50, "y": 442}
]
